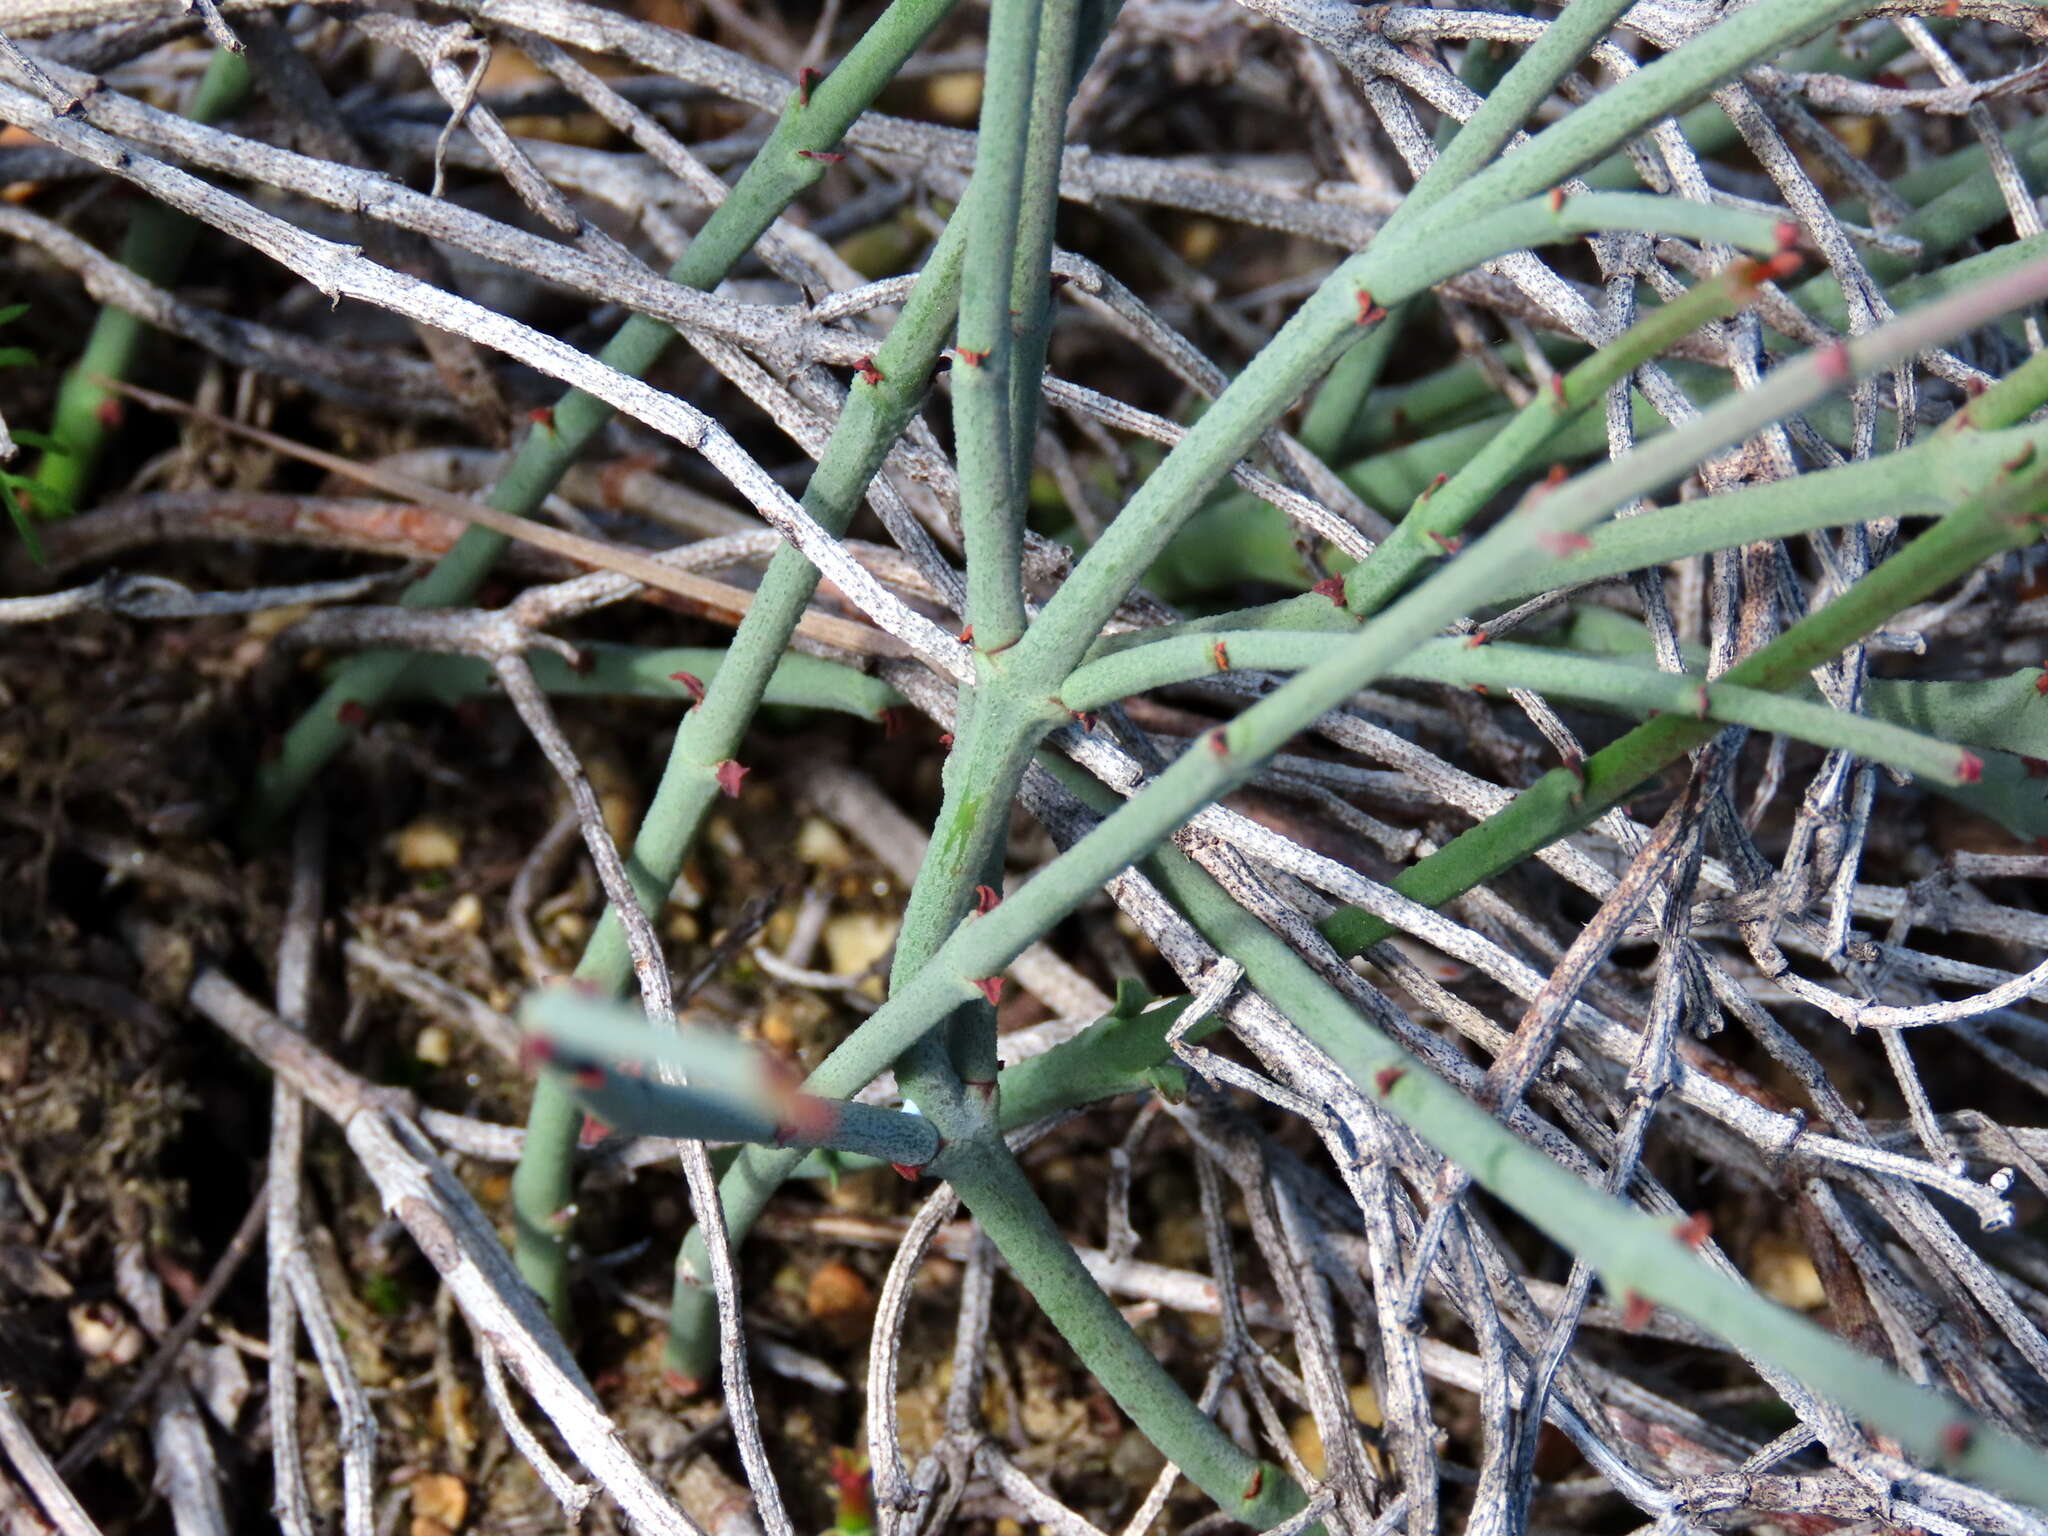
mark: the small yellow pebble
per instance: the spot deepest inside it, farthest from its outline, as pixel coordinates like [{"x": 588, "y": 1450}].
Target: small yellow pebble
[
  {"x": 570, "y": 927},
  {"x": 434, "y": 1046},
  {"x": 621, "y": 815},
  {"x": 102, "y": 1331},
  {"x": 1781, "y": 1269},
  {"x": 856, "y": 940},
  {"x": 467, "y": 914},
  {"x": 275, "y": 621},
  {"x": 724, "y": 837},
  {"x": 441, "y": 1498},
  {"x": 428, "y": 844},
  {"x": 955, "y": 96},
  {"x": 836, "y": 1287},
  {"x": 681, "y": 927},
  {"x": 1365, "y": 1405},
  {"x": 778, "y": 1026},
  {"x": 1199, "y": 240},
  {"x": 1308, "y": 1445},
  {"x": 818, "y": 842}
]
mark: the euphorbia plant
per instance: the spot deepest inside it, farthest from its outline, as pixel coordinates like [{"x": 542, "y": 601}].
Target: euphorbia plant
[{"x": 983, "y": 305}]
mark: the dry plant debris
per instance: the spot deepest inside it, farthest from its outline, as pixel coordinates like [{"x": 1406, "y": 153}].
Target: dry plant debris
[{"x": 1726, "y": 430}]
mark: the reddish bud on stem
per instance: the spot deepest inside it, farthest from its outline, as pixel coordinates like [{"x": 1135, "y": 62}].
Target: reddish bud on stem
[
  {"x": 992, "y": 989},
  {"x": 1636, "y": 1310},
  {"x": 805, "y": 79},
  {"x": 986, "y": 899},
  {"x": 828, "y": 156},
  {"x": 1383, "y": 1080},
  {"x": 692, "y": 685},
  {"x": 731, "y": 773},
  {"x": 1783, "y": 265},
  {"x": 1331, "y": 587},
  {"x": 1694, "y": 1229}
]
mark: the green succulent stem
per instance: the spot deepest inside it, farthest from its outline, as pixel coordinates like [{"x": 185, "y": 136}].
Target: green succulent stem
[
  {"x": 158, "y": 244},
  {"x": 1623, "y": 686}
]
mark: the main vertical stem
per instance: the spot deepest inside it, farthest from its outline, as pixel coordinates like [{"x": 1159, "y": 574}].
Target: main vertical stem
[
  {"x": 997, "y": 723},
  {"x": 992, "y": 484}
]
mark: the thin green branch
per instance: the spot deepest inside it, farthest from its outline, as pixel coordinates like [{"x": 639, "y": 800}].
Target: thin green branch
[
  {"x": 1921, "y": 481},
  {"x": 696, "y": 1084},
  {"x": 666, "y": 672},
  {"x": 813, "y": 121},
  {"x": 1225, "y": 757},
  {"x": 991, "y": 489},
  {"x": 1054, "y": 79},
  {"x": 1619, "y": 685},
  {"x": 158, "y": 243}
]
